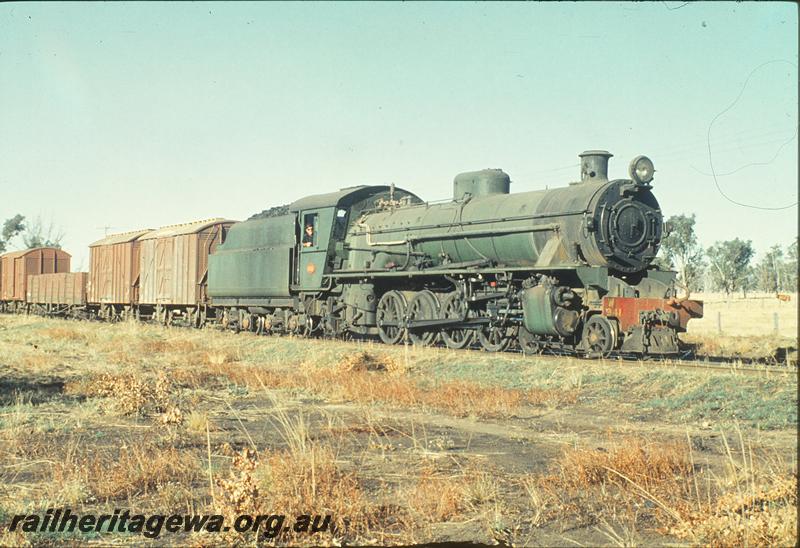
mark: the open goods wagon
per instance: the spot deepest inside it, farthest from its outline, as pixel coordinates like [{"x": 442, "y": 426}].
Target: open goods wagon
[
  {"x": 17, "y": 266},
  {"x": 57, "y": 294}
]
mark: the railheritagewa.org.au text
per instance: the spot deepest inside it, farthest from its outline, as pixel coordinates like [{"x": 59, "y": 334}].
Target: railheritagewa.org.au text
[{"x": 63, "y": 520}]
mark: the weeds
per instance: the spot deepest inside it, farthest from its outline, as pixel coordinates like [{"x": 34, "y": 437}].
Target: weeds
[
  {"x": 292, "y": 483},
  {"x": 134, "y": 469},
  {"x": 131, "y": 394},
  {"x": 634, "y": 482},
  {"x": 300, "y": 427}
]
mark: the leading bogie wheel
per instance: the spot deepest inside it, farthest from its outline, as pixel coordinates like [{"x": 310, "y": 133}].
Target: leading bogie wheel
[
  {"x": 599, "y": 337},
  {"x": 530, "y": 343}
]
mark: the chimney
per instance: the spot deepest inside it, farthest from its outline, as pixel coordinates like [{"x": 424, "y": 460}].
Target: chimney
[{"x": 594, "y": 166}]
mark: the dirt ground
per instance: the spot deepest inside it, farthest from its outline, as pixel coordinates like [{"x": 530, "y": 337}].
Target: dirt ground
[{"x": 401, "y": 445}]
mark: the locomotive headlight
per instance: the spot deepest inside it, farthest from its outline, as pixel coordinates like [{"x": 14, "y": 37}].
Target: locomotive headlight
[{"x": 641, "y": 170}]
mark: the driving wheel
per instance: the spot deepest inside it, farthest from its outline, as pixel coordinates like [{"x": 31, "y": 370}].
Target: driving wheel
[
  {"x": 455, "y": 307},
  {"x": 495, "y": 338},
  {"x": 424, "y": 306},
  {"x": 390, "y": 316}
]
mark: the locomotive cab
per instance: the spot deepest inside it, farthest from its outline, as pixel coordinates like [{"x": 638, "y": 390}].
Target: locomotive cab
[{"x": 329, "y": 216}]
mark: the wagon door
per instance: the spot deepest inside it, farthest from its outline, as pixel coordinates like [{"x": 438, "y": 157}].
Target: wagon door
[{"x": 164, "y": 270}]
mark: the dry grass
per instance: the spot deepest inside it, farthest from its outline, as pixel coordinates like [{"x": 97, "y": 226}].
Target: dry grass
[
  {"x": 769, "y": 348},
  {"x": 136, "y": 416},
  {"x": 437, "y": 496},
  {"x": 67, "y": 333},
  {"x": 128, "y": 393},
  {"x": 294, "y": 483},
  {"x": 634, "y": 460},
  {"x": 634, "y": 481},
  {"x": 362, "y": 379},
  {"x": 135, "y": 469},
  {"x": 765, "y": 516},
  {"x": 369, "y": 378},
  {"x": 748, "y": 317},
  {"x": 733, "y": 326}
]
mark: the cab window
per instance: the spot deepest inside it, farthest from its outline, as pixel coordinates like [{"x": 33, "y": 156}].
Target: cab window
[
  {"x": 340, "y": 226},
  {"x": 309, "y": 238}
]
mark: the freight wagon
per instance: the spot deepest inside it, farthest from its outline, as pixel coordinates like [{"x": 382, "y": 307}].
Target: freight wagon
[{"x": 17, "y": 266}]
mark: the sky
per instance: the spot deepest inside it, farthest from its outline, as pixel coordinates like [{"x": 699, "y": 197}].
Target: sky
[{"x": 121, "y": 116}]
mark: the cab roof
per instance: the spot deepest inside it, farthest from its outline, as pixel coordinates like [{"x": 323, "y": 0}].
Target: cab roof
[{"x": 343, "y": 197}]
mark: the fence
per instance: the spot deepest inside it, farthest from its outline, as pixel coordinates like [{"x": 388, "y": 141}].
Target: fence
[{"x": 758, "y": 314}]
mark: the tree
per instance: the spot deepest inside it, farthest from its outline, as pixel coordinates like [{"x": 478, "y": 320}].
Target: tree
[
  {"x": 683, "y": 253},
  {"x": 730, "y": 264},
  {"x": 748, "y": 280},
  {"x": 11, "y": 228},
  {"x": 34, "y": 234},
  {"x": 791, "y": 267},
  {"x": 38, "y": 235},
  {"x": 771, "y": 271}
]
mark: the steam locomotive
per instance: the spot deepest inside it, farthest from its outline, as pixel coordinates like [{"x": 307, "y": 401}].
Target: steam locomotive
[{"x": 566, "y": 270}]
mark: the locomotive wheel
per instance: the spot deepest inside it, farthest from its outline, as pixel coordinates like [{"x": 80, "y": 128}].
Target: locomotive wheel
[
  {"x": 269, "y": 323},
  {"x": 162, "y": 315},
  {"x": 198, "y": 319},
  {"x": 246, "y": 321},
  {"x": 599, "y": 337},
  {"x": 494, "y": 339},
  {"x": 292, "y": 325},
  {"x": 529, "y": 343},
  {"x": 390, "y": 314},
  {"x": 308, "y": 327},
  {"x": 424, "y": 306},
  {"x": 455, "y": 307},
  {"x": 225, "y": 320}
]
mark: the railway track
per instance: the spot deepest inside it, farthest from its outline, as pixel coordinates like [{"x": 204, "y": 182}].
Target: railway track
[
  {"x": 727, "y": 366},
  {"x": 710, "y": 363},
  {"x": 723, "y": 365}
]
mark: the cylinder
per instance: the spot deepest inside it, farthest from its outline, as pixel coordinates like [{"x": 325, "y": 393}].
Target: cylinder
[{"x": 594, "y": 166}]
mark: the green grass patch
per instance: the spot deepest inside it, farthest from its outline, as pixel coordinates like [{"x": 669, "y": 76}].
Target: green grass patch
[{"x": 765, "y": 404}]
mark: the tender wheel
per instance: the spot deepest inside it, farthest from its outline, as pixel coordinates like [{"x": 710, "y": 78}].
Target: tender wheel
[
  {"x": 309, "y": 326},
  {"x": 529, "y": 343},
  {"x": 495, "y": 339},
  {"x": 162, "y": 315},
  {"x": 225, "y": 320},
  {"x": 391, "y": 314},
  {"x": 292, "y": 326},
  {"x": 599, "y": 337},
  {"x": 455, "y": 307},
  {"x": 424, "y": 306}
]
